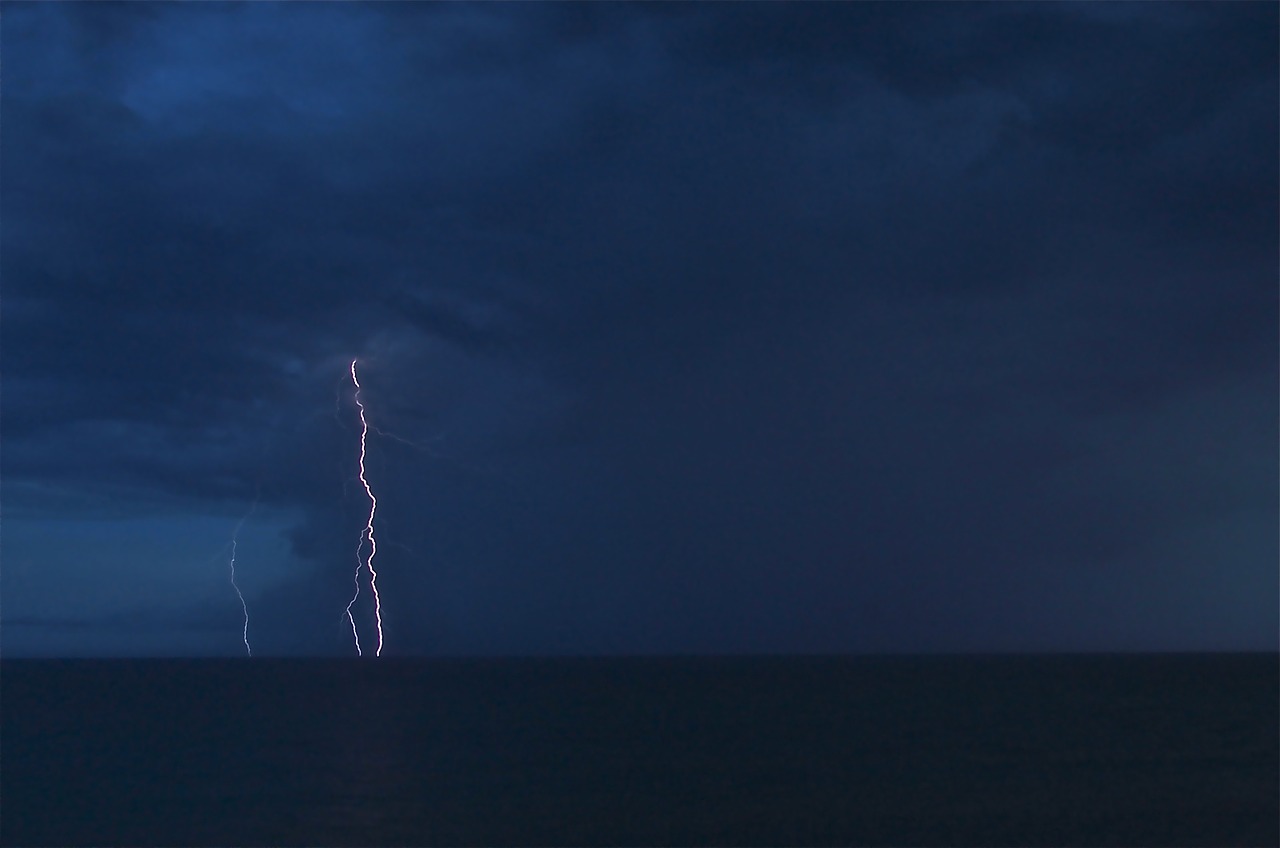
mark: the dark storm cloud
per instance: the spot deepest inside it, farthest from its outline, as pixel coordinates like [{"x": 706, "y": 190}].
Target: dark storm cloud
[
  {"x": 1093, "y": 77},
  {"x": 752, "y": 326},
  {"x": 130, "y": 622}
]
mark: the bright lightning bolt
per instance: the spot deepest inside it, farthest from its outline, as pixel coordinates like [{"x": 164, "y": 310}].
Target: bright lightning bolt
[{"x": 366, "y": 533}]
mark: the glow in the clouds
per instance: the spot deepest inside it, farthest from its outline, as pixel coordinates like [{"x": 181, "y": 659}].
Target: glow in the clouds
[{"x": 366, "y": 533}]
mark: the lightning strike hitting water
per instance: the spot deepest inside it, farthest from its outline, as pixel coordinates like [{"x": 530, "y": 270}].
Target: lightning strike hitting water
[
  {"x": 235, "y": 535},
  {"x": 243, "y": 605},
  {"x": 366, "y": 533}
]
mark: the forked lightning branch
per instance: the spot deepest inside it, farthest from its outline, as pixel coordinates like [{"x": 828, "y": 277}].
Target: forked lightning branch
[
  {"x": 365, "y": 562},
  {"x": 366, "y": 546}
]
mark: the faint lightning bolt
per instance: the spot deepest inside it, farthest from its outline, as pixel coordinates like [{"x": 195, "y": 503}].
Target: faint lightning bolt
[
  {"x": 235, "y": 535},
  {"x": 432, "y": 452},
  {"x": 386, "y": 434},
  {"x": 366, "y": 533}
]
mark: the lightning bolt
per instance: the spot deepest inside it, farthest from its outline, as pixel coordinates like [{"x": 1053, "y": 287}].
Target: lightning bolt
[
  {"x": 367, "y": 533},
  {"x": 235, "y": 535}
]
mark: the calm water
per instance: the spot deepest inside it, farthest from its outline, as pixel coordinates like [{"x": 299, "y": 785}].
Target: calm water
[{"x": 1167, "y": 750}]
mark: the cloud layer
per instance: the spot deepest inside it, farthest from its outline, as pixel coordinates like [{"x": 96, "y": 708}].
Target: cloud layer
[{"x": 714, "y": 328}]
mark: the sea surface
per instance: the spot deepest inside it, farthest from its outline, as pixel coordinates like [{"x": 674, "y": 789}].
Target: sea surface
[{"x": 1161, "y": 750}]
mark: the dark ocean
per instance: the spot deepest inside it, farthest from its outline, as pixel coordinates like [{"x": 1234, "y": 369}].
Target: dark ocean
[{"x": 1160, "y": 750}]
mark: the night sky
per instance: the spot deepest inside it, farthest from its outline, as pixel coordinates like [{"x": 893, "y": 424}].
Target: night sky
[{"x": 700, "y": 328}]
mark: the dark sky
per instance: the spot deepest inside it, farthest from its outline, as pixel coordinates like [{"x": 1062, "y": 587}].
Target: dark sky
[{"x": 714, "y": 328}]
